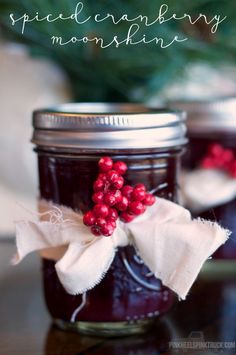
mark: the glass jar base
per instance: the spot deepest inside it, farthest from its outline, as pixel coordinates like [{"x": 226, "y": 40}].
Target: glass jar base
[{"x": 106, "y": 329}]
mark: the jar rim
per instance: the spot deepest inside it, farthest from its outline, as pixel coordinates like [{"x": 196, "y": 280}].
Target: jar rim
[
  {"x": 208, "y": 116},
  {"x": 111, "y": 126}
]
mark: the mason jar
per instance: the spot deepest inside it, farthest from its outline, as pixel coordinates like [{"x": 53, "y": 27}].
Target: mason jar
[
  {"x": 69, "y": 141},
  {"x": 212, "y": 123}
]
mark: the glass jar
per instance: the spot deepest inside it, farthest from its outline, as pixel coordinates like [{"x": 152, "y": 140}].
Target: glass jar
[
  {"x": 69, "y": 142},
  {"x": 212, "y": 122}
]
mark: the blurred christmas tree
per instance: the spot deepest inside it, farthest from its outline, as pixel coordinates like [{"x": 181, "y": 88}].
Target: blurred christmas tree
[{"x": 128, "y": 72}]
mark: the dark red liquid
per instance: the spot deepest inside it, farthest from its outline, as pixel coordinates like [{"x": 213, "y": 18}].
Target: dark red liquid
[
  {"x": 225, "y": 213},
  {"x": 129, "y": 291}
]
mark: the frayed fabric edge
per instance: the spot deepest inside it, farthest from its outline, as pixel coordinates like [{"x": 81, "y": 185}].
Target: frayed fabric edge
[{"x": 92, "y": 284}]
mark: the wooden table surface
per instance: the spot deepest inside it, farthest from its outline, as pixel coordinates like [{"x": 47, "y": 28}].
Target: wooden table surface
[{"x": 25, "y": 327}]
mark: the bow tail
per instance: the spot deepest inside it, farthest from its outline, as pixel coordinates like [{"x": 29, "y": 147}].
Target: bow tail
[
  {"x": 83, "y": 267},
  {"x": 32, "y": 236},
  {"x": 175, "y": 252}
]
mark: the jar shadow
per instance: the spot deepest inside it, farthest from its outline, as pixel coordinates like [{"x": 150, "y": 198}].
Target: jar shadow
[{"x": 153, "y": 342}]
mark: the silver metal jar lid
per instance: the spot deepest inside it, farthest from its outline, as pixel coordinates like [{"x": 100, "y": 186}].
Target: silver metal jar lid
[
  {"x": 211, "y": 116},
  {"x": 108, "y": 126}
]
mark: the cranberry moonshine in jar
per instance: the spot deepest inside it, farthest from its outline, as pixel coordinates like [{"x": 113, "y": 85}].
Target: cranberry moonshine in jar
[
  {"x": 212, "y": 147},
  {"x": 70, "y": 140}
]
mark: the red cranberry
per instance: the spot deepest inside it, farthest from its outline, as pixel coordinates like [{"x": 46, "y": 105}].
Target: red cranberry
[
  {"x": 105, "y": 164},
  {"x": 127, "y": 191},
  {"x": 112, "y": 214},
  {"x": 118, "y": 184},
  {"x": 100, "y": 222},
  {"x": 100, "y": 210},
  {"x": 120, "y": 167},
  {"x": 102, "y": 176},
  {"x": 98, "y": 185},
  {"x": 232, "y": 169},
  {"x": 149, "y": 200},
  {"x": 228, "y": 156},
  {"x": 98, "y": 197},
  {"x": 136, "y": 208},
  {"x": 112, "y": 176},
  {"x": 207, "y": 163},
  {"x": 110, "y": 198},
  {"x": 216, "y": 150},
  {"x": 96, "y": 231},
  {"x": 118, "y": 196},
  {"x": 107, "y": 230},
  {"x": 140, "y": 186},
  {"x": 123, "y": 204},
  {"x": 89, "y": 219},
  {"x": 138, "y": 194},
  {"x": 219, "y": 162},
  {"x": 112, "y": 221},
  {"x": 127, "y": 217}
]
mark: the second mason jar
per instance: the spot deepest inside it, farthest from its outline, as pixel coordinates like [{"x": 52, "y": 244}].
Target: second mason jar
[
  {"x": 212, "y": 145},
  {"x": 69, "y": 140}
]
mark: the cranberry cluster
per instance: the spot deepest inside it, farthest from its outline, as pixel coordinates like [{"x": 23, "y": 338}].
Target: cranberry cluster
[
  {"x": 221, "y": 158},
  {"x": 113, "y": 199}
]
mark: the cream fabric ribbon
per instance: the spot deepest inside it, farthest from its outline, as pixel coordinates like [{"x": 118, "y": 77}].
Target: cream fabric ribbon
[
  {"x": 171, "y": 244},
  {"x": 203, "y": 189}
]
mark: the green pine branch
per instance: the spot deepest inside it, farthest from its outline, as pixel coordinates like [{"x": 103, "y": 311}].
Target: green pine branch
[{"x": 120, "y": 74}]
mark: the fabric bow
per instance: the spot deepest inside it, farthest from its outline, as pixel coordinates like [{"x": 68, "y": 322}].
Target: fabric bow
[{"x": 171, "y": 244}]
